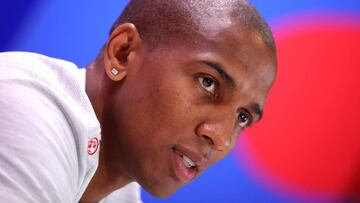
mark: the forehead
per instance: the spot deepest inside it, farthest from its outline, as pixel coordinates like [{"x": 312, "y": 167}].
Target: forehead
[
  {"x": 242, "y": 55},
  {"x": 242, "y": 52},
  {"x": 245, "y": 55}
]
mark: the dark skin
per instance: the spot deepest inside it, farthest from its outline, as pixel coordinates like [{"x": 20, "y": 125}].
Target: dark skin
[{"x": 187, "y": 97}]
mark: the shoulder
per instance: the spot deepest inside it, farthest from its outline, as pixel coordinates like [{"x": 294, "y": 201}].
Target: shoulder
[
  {"x": 60, "y": 81},
  {"x": 37, "y": 152},
  {"x": 29, "y": 59},
  {"x": 46, "y": 120}
]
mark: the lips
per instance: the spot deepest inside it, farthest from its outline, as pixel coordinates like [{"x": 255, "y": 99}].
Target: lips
[{"x": 186, "y": 163}]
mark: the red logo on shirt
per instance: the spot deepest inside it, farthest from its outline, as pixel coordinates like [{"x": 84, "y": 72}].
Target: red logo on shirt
[{"x": 93, "y": 146}]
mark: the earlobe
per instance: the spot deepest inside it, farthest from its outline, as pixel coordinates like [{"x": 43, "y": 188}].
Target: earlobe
[
  {"x": 116, "y": 75},
  {"x": 123, "y": 42}
]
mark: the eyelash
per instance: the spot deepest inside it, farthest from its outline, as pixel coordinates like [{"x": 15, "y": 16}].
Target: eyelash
[
  {"x": 201, "y": 80},
  {"x": 248, "y": 118}
]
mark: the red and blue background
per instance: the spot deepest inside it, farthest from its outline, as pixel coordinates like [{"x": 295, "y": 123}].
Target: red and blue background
[{"x": 307, "y": 148}]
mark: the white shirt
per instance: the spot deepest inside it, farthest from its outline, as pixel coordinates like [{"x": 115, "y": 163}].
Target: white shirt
[{"x": 49, "y": 133}]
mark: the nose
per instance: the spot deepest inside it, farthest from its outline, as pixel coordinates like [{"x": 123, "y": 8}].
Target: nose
[{"x": 218, "y": 133}]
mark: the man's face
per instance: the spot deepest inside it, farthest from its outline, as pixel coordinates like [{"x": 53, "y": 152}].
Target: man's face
[{"x": 182, "y": 108}]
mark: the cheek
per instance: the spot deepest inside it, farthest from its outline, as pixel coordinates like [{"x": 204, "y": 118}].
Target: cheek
[
  {"x": 162, "y": 107},
  {"x": 172, "y": 106}
]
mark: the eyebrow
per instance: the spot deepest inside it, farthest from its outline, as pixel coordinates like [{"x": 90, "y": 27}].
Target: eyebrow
[
  {"x": 221, "y": 70},
  {"x": 257, "y": 110}
]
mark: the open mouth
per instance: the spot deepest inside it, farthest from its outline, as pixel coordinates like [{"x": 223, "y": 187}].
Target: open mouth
[
  {"x": 185, "y": 168},
  {"x": 188, "y": 162}
]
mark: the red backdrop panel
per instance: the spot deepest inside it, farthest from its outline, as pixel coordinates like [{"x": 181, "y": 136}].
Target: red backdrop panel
[{"x": 310, "y": 136}]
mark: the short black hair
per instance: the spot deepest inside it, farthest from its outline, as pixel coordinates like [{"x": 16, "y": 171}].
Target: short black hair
[{"x": 161, "y": 21}]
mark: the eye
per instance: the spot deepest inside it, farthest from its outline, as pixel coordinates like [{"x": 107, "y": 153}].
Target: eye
[
  {"x": 208, "y": 84},
  {"x": 244, "y": 119}
]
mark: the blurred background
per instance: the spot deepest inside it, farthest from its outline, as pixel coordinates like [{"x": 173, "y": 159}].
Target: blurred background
[{"x": 307, "y": 148}]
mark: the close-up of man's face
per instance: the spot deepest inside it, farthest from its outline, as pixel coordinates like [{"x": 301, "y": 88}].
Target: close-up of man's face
[
  {"x": 179, "y": 101},
  {"x": 181, "y": 108}
]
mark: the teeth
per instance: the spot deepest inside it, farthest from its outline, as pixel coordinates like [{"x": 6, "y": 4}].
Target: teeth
[{"x": 188, "y": 162}]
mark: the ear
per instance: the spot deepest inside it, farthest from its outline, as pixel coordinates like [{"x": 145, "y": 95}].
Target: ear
[{"x": 123, "y": 42}]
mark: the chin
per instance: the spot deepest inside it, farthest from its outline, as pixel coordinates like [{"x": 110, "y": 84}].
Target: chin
[
  {"x": 161, "y": 191},
  {"x": 162, "y": 195}
]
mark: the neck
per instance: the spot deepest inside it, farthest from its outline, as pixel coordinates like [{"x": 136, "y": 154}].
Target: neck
[
  {"x": 106, "y": 179},
  {"x": 103, "y": 183}
]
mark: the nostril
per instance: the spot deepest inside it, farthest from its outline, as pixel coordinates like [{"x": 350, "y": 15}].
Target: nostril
[{"x": 208, "y": 139}]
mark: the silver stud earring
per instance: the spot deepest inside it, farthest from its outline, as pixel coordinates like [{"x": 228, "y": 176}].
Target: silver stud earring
[{"x": 114, "y": 72}]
